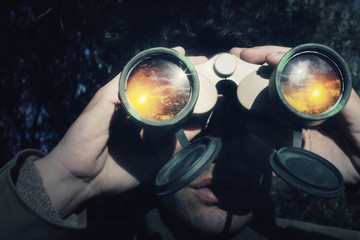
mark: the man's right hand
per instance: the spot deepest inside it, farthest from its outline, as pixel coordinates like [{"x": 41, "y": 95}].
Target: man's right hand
[{"x": 103, "y": 152}]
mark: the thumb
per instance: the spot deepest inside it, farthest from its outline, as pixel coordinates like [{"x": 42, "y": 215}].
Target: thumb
[{"x": 272, "y": 59}]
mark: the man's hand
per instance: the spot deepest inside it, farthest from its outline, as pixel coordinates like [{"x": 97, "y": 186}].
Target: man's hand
[
  {"x": 103, "y": 151},
  {"x": 337, "y": 140},
  {"x": 81, "y": 165}
]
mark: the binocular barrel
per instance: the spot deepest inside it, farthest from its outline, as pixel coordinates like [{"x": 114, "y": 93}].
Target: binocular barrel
[{"x": 160, "y": 88}]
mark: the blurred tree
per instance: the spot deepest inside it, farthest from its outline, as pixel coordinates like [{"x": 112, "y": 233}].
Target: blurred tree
[
  {"x": 56, "y": 54},
  {"x": 51, "y": 68}
]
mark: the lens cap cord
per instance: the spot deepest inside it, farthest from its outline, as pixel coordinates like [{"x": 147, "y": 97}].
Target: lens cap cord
[
  {"x": 181, "y": 137},
  {"x": 306, "y": 170},
  {"x": 297, "y": 138}
]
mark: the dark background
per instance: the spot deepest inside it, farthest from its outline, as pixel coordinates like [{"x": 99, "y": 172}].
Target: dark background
[{"x": 56, "y": 54}]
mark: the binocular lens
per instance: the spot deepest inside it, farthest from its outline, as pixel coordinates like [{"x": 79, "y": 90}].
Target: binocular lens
[
  {"x": 311, "y": 83},
  {"x": 158, "y": 89}
]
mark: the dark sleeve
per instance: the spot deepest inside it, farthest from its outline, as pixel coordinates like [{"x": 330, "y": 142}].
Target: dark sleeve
[
  {"x": 25, "y": 208},
  {"x": 353, "y": 193}
]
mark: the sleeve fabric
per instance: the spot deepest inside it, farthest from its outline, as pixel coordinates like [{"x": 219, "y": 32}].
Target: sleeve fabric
[
  {"x": 25, "y": 208},
  {"x": 353, "y": 193}
]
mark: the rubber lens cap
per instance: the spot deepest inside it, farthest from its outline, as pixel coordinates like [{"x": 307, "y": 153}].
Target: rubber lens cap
[
  {"x": 308, "y": 172},
  {"x": 187, "y": 165}
]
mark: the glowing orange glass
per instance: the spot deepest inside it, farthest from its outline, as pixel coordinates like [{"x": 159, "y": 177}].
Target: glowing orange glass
[
  {"x": 158, "y": 89},
  {"x": 311, "y": 86}
]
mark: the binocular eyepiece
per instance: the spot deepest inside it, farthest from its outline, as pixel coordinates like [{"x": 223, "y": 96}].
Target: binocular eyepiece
[{"x": 160, "y": 88}]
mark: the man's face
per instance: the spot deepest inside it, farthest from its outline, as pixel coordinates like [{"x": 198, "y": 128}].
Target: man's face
[
  {"x": 198, "y": 208},
  {"x": 221, "y": 200}
]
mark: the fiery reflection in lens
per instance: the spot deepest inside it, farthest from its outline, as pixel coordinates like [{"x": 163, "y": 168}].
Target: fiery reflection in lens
[
  {"x": 310, "y": 84},
  {"x": 158, "y": 89}
]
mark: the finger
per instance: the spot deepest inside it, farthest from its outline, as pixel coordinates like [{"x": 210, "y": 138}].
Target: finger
[
  {"x": 272, "y": 59},
  {"x": 236, "y": 51},
  {"x": 179, "y": 49},
  {"x": 350, "y": 117},
  {"x": 258, "y": 54},
  {"x": 110, "y": 90},
  {"x": 197, "y": 60},
  {"x": 127, "y": 148},
  {"x": 106, "y": 97}
]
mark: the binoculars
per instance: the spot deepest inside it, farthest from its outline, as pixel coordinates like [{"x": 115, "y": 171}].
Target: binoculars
[{"x": 161, "y": 89}]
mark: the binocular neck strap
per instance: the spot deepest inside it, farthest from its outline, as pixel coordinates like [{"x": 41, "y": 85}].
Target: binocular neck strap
[
  {"x": 297, "y": 138},
  {"x": 181, "y": 137}
]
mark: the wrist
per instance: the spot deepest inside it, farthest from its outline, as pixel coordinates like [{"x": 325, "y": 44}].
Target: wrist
[{"x": 66, "y": 191}]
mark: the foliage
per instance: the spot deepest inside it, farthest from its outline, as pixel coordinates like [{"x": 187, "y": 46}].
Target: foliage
[
  {"x": 294, "y": 204},
  {"x": 51, "y": 69},
  {"x": 57, "y": 53}
]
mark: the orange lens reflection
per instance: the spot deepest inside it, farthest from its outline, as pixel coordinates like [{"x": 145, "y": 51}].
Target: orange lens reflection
[
  {"x": 158, "y": 89},
  {"x": 310, "y": 84}
]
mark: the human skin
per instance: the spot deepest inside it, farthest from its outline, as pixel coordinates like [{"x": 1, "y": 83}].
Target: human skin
[
  {"x": 221, "y": 200},
  {"x": 201, "y": 209},
  {"x": 89, "y": 160},
  {"x": 339, "y": 143}
]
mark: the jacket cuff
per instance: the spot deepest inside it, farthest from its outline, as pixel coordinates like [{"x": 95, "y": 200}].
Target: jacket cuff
[{"x": 22, "y": 195}]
